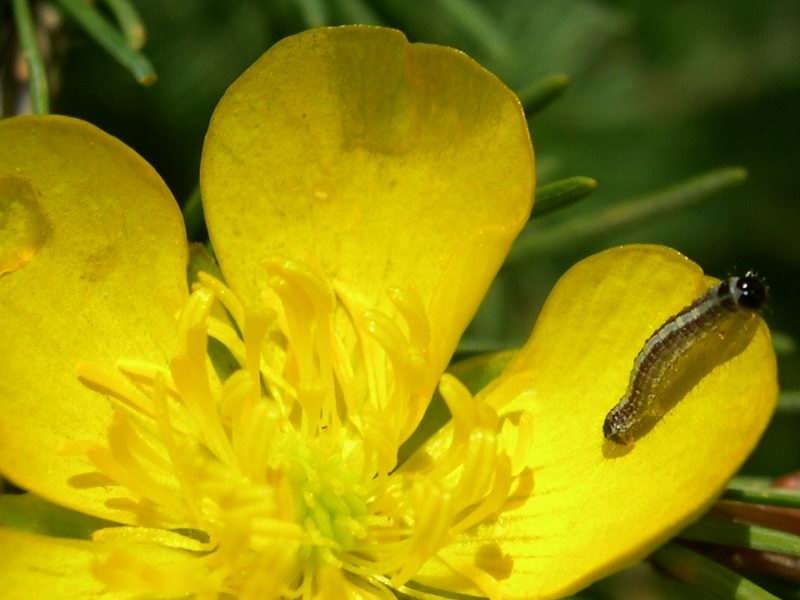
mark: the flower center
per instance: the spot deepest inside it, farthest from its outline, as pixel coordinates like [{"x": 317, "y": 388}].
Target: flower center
[
  {"x": 329, "y": 500},
  {"x": 267, "y": 447}
]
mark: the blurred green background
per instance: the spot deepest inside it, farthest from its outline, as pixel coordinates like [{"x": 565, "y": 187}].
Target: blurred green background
[{"x": 660, "y": 92}]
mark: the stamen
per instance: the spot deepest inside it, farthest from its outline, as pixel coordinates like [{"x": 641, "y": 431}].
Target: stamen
[
  {"x": 482, "y": 580},
  {"x": 411, "y": 307},
  {"x": 192, "y": 376},
  {"x": 493, "y": 502},
  {"x": 255, "y": 329},
  {"x": 224, "y": 295},
  {"x": 147, "y": 535},
  {"x": 286, "y": 468},
  {"x": 100, "y": 381}
]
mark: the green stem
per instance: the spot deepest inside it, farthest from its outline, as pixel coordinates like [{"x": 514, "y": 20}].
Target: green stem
[
  {"x": 129, "y": 22},
  {"x": 645, "y": 208},
  {"x": 37, "y": 72},
  {"x": 710, "y": 577},
  {"x": 560, "y": 194},
  {"x": 110, "y": 39},
  {"x": 540, "y": 94}
]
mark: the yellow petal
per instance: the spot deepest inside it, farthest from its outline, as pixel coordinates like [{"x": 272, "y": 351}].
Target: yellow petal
[
  {"x": 386, "y": 163},
  {"x": 36, "y": 566},
  {"x": 56, "y": 568},
  {"x": 597, "y": 506},
  {"x": 101, "y": 280}
]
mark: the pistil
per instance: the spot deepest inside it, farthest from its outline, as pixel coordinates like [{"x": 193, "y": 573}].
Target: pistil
[{"x": 287, "y": 467}]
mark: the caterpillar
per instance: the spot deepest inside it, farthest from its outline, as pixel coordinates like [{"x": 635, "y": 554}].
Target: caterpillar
[{"x": 669, "y": 351}]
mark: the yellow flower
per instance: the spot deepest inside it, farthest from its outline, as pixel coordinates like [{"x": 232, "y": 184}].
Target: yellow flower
[{"x": 361, "y": 192}]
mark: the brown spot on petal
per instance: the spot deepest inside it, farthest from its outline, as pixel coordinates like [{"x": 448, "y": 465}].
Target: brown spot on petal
[
  {"x": 23, "y": 225},
  {"x": 100, "y": 263}
]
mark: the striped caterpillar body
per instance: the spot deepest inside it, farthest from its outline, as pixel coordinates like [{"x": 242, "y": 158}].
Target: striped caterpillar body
[{"x": 669, "y": 352}]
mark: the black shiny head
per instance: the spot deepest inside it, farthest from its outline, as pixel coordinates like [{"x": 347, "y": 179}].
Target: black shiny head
[{"x": 750, "y": 292}]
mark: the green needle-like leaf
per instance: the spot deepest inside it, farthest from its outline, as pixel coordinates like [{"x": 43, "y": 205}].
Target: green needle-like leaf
[
  {"x": 193, "y": 216},
  {"x": 540, "y": 94},
  {"x": 750, "y": 481},
  {"x": 129, "y": 22},
  {"x": 762, "y": 495},
  {"x": 789, "y": 402},
  {"x": 110, "y": 39},
  {"x": 712, "y": 579},
  {"x": 783, "y": 343},
  {"x": 560, "y": 194},
  {"x": 475, "y": 20},
  {"x": 314, "y": 12},
  {"x": 37, "y": 72},
  {"x": 537, "y": 240},
  {"x": 725, "y": 532}
]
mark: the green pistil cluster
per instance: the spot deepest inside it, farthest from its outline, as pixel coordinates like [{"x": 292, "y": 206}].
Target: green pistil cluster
[{"x": 327, "y": 502}]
